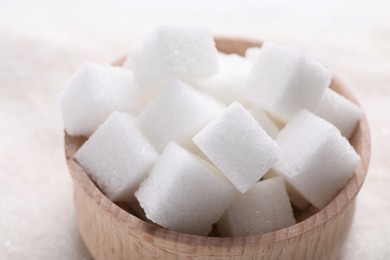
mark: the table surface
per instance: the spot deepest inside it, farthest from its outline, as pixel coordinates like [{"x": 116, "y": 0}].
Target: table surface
[{"x": 42, "y": 42}]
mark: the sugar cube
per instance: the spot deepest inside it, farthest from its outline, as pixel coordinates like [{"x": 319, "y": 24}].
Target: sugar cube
[
  {"x": 174, "y": 52},
  {"x": 117, "y": 157},
  {"x": 295, "y": 197},
  {"x": 185, "y": 193},
  {"x": 284, "y": 80},
  {"x": 93, "y": 93},
  {"x": 177, "y": 114},
  {"x": 238, "y": 146},
  {"x": 227, "y": 85},
  {"x": 339, "y": 111},
  {"x": 263, "y": 208},
  {"x": 252, "y": 53},
  {"x": 265, "y": 122},
  {"x": 316, "y": 159}
]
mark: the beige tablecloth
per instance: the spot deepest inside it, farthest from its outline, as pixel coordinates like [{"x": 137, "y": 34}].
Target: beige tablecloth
[{"x": 43, "y": 41}]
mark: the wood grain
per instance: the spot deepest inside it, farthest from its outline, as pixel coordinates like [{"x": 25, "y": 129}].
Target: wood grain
[{"x": 110, "y": 232}]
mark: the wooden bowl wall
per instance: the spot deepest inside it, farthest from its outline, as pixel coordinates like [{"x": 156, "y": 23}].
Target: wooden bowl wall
[{"x": 110, "y": 232}]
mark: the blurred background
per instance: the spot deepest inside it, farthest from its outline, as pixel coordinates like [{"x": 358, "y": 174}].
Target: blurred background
[{"x": 42, "y": 42}]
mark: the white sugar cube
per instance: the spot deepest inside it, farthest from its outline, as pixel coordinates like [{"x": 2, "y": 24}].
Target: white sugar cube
[
  {"x": 185, "y": 193},
  {"x": 93, "y": 93},
  {"x": 295, "y": 197},
  {"x": 177, "y": 114},
  {"x": 263, "y": 208},
  {"x": 174, "y": 52},
  {"x": 316, "y": 159},
  {"x": 227, "y": 85},
  {"x": 284, "y": 80},
  {"x": 238, "y": 146},
  {"x": 265, "y": 122},
  {"x": 117, "y": 157},
  {"x": 252, "y": 53},
  {"x": 339, "y": 111}
]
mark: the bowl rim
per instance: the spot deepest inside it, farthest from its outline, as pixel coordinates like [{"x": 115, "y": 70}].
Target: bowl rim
[{"x": 169, "y": 240}]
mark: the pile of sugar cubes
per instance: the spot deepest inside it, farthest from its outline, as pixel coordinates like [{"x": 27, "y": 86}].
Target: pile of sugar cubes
[{"x": 197, "y": 137}]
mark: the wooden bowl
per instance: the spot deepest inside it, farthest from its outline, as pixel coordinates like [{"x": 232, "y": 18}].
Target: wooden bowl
[{"x": 110, "y": 232}]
